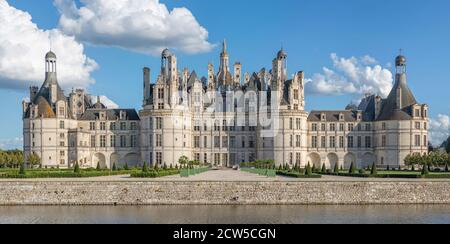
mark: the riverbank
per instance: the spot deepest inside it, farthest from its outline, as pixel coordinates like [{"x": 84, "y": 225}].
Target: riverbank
[{"x": 223, "y": 188}]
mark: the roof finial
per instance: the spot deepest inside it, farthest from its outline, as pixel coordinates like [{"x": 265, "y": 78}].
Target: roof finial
[
  {"x": 224, "y": 46},
  {"x": 98, "y": 99},
  {"x": 401, "y": 51}
]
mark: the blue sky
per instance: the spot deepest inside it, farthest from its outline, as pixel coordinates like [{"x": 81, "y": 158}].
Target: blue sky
[{"x": 310, "y": 31}]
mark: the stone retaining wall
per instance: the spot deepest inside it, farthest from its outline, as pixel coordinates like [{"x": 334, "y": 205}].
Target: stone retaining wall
[{"x": 182, "y": 193}]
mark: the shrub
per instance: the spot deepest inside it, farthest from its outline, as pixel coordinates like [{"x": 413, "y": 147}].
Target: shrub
[
  {"x": 313, "y": 169},
  {"x": 145, "y": 168},
  {"x": 336, "y": 169},
  {"x": 76, "y": 168},
  {"x": 22, "y": 169},
  {"x": 324, "y": 168},
  {"x": 362, "y": 171},
  {"x": 374, "y": 170},
  {"x": 352, "y": 169},
  {"x": 114, "y": 167},
  {"x": 126, "y": 166},
  {"x": 308, "y": 170},
  {"x": 98, "y": 167}
]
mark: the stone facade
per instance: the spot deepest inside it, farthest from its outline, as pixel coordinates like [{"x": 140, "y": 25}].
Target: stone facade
[
  {"x": 185, "y": 193},
  {"x": 223, "y": 119}
]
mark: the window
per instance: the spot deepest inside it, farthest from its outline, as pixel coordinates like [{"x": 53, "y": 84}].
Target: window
[
  {"x": 159, "y": 158},
  {"x": 205, "y": 158},
  {"x": 383, "y": 126},
  {"x": 159, "y": 123},
  {"x": 314, "y": 142},
  {"x": 368, "y": 142},
  {"x": 161, "y": 93},
  {"x": 323, "y": 142},
  {"x": 350, "y": 142},
  {"x": 425, "y": 141},
  {"x": 314, "y": 127},
  {"x": 133, "y": 126},
  {"x": 359, "y": 142},
  {"x": 123, "y": 141},
  {"x": 332, "y": 142},
  {"x": 291, "y": 123},
  {"x": 216, "y": 158},
  {"x": 232, "y": 142},
  {"x": 341, "y": 142},
  {"x": 133, "y": 140},
  {"x": 123, "y": 126},
  {"x": 324, "y": 127},
  {"x": 341, "y": 127},
  {"x": 112, "y": 141},
  {"x": 251, "y": 142},
  {"x": 368, "y": 127},
  {"x": 92, "y": 126},
  {"x": 217, "y": 141},
  {"x": 296, "y": 94},
  {"x": 196, "y": 141},
  {"x": 351, "y": 127},
  {"x": 224, "y": 125},
  {"x": 160, "y": 106},
  {"x": 298, "y": 123},
  {"x": 92, "y": 141},
  {"x": 216, "y": 126},
  {"x": 112, "y": 126},
  {"x": 383, "y": 141},
  {"x": 62, "y": 144},
  {"x": 197, "y": 157},
  {"x": 197, "y": 126},
  {"x": 291, "y": 140},
  {"x": 205, "y": 142},
  {"x": 425, "y": 126},
  {"x": 62, "y": 153},
  {"x": 297, "y": 158},
  {"x": 61, "y": 136},
  {"x": 150, "y": 140},
  {"x": 417, "y": 125},
  {"x": 243, "y": 142},
  {"x": 61, "y": 125},
  {"x": 298, "y": 140},
  {"x": 359, "y": 127},
  {"x": 332, "y": 127},
  {"x": 295, "y": 106},
  {"x": 425, "y": 113},
  {"x": 102, "y": 126},
  {"x": 417, "y": 141},
  {"x": 102, "y": 141},
  {"x": 417, "y": 113},
  {"x": 159, "y": 140},
  {"x": 61, "y": 111},
  {"x": 225, "y": 142},
  {"x": 291, "y": 158},
  {"x": 225, "y": 158}
]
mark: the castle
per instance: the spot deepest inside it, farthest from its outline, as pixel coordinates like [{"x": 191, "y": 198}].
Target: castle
[{"x": 223, "y": 119}]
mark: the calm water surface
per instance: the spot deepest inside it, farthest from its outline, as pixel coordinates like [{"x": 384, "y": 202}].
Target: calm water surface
[{"x": 434, "y": 214}]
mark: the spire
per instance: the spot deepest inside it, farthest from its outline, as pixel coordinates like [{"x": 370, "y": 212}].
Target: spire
[{"x": 224, "y": 46}]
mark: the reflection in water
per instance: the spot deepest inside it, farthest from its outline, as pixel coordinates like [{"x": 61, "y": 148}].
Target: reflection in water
[{"x": 226, "y": 214}]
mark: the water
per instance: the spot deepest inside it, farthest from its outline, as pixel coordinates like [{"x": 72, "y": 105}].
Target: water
[{"x": 410, "y": 214}]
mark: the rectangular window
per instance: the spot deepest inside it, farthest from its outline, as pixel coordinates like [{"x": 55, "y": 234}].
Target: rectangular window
[
  {"x": 350, "y": 142},
  {"x": 314, "y": 127},
  {"x": 323, "y": 142},
  {"x": 112, "y": 140},
  {"x": 133, "y": 126},
  {"x": 217, "y": 141},
  {"x": 324, "y": 127},
  {"x": 160, "y": 106},
  {"x": 159, "y": 123},
  {"x": 251, "y": 142},
  {"x": 205, "y": 158},
  {"x": 150, "y": 140},
  {"x": 62, "y": 153},
  {"x": 61, "y": 125},
  {"x": 341, "y": 142},
  {"x": 296, "y": 94},
  {"x": 368, "y": 142},
  {"x": 417, "y": 113},
  {"x": 417, "y": 125},
  {"x": 133, "y": 140},
  {"x": 159, "y": 158},
  {"x": 368, "y": 127},
  {"x": 225, "y": 142},
  {"x": 158, "y": 140},
  {"x": 112, "y": 126},
  {"x": 298, "y": 140},
  {"x": 232, "y": 142},
  {"x": 92, "y": 126},
  {"x": 291, "y": 123},
  {"x": 92, "y": 141},
  {"x": 425, "y": 141},
  {"x": 123, "y": 126},
  {"x": 341, "y": 127},
  {"x": 196, "y": 141},
  {"x": 314, "y": 142},
  {"x": 217, "y": 158},
  {"x": 417, "y": 141},
  {"x": 297, "y": 158},
  {"x": 383, "y": 141},
  {"x": 291, "y": 141},
  {"x": 332, "y": 142},
  {"x": 102, "y": 141},
  {"x": 351, "y": 127},
  {"x": 298, "y": 123},
  {"x": 61, "y": 136},
  {"x": 359, "y": 142},
  {"x": 123, "y": 141},
  {"x": 102, "y": 126},
  {"x": 383, "y": 126},
  {"x": 243, "y": 142},
  {"x": 161, "y": 93},
  {"x": 332, "y": 127}
]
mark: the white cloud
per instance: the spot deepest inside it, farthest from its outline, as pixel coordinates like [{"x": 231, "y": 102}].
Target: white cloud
[
  {"x": 106, "y": 101},
  {"x": 11, "y": 144},
  {"x": 439, "y": 129},
  {"x": 355, "y": 76},
  {"x": 23, "y": 47},
  {"x": 144, "y": 26}
]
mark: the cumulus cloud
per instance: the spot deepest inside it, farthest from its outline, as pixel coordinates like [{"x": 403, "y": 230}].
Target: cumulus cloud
[
  {"x": 144, "y": 26},
  {"x": 11, "y": 144},
  {"x": 355, "y": 76},
  {"x": 439, "y": 129},
  {"x": 23, "y": 46}
]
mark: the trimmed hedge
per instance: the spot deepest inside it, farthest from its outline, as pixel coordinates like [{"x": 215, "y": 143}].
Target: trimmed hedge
[
  {"x": 298, "y": 175},
  {"x": 154, "y": 173},
  {"x": 60, "y": 174}
]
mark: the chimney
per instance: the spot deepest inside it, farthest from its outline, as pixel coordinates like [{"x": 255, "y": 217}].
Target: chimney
[
  {"x": 33, "y": 92},
  {"x": 378, "y": 104},
  {"x": 146, "y": 85}
]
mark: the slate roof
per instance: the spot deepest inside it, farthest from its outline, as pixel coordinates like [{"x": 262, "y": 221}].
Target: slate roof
[{"x": 111, "y": 114}]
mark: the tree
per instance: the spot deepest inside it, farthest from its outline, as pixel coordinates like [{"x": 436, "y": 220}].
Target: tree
[
  {"x": 446, "y": 168},
  {"x": 313, "y": 168},
  {"x": 145, "y": 168},
  {"x": 34, "y": 160},
  {"x": 324, "y": 169},
  {"x": 114, "y": 167},
  {"x": 183, "y": 161},
  {"x": 447, "y": 145},
  {"x": 308, "y": 170},
  {"x": 374, "y": 170},
  {"x": 22, "y": 169},
  {"x": 425, "y": 170},
  {"x": 98, "y": 166},
  {"x": 352, "y": 169},
  {"x": 336, "y": 168},
  {"x": 77, "y": 168},
  {"x": 126, "y": 166}
]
